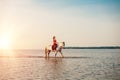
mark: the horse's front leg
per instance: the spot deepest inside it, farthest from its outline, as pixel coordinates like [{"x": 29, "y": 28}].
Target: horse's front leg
[{"x": 61, "y": 53}]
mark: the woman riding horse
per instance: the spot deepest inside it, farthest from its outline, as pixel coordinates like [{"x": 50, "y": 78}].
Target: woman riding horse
[
  {"x": 59, "y": 48},
  {"x": 54, "y": 45}
]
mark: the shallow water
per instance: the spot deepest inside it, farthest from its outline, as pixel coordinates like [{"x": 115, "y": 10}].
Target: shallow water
[{"x": 90, "y": 64}]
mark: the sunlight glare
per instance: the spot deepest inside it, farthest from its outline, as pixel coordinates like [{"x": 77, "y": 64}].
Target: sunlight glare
[{"x": 4, "y": 42}]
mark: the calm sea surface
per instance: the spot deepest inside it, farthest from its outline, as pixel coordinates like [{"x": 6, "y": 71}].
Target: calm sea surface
[{"x": 78, "y": 64}]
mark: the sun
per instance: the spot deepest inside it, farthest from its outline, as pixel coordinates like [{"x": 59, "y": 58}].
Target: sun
[{"x": 4, "y": 42}]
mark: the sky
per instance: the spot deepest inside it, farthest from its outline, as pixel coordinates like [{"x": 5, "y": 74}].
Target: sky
[{"x": 31, "y": 24}]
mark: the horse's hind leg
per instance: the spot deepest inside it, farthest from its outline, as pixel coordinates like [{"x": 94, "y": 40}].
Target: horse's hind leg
[
  {"x": 45, "y": 54},
  {"x": 46, "y": 51}
]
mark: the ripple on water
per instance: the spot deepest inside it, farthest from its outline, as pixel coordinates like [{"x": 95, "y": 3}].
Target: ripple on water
[{"x": 92, "y": 68}]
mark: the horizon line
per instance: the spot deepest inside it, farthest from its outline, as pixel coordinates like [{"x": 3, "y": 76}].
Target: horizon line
[{"x": 70, "y": 47}]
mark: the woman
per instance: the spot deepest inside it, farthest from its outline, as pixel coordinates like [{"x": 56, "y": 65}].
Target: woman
[{"x": 54, "y": 45}]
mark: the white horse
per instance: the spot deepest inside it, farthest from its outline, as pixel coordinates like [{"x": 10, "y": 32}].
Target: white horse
[{"x": 58, "y": 49}]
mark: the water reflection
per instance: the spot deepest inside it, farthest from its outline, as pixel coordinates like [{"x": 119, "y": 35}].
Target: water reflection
[
  {"x": 86, "y": 65},
  {"x": 54, "y": 67}
]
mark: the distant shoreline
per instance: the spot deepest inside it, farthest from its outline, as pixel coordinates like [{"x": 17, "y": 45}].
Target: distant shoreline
[{"x": 102, "y": 47}]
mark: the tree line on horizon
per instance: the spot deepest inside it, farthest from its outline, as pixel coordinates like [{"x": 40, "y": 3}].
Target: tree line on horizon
[{"x": 101, "y": 47}]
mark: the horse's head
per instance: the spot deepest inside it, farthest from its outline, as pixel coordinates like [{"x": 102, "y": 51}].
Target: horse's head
[{"x": 62, "y": 44}]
